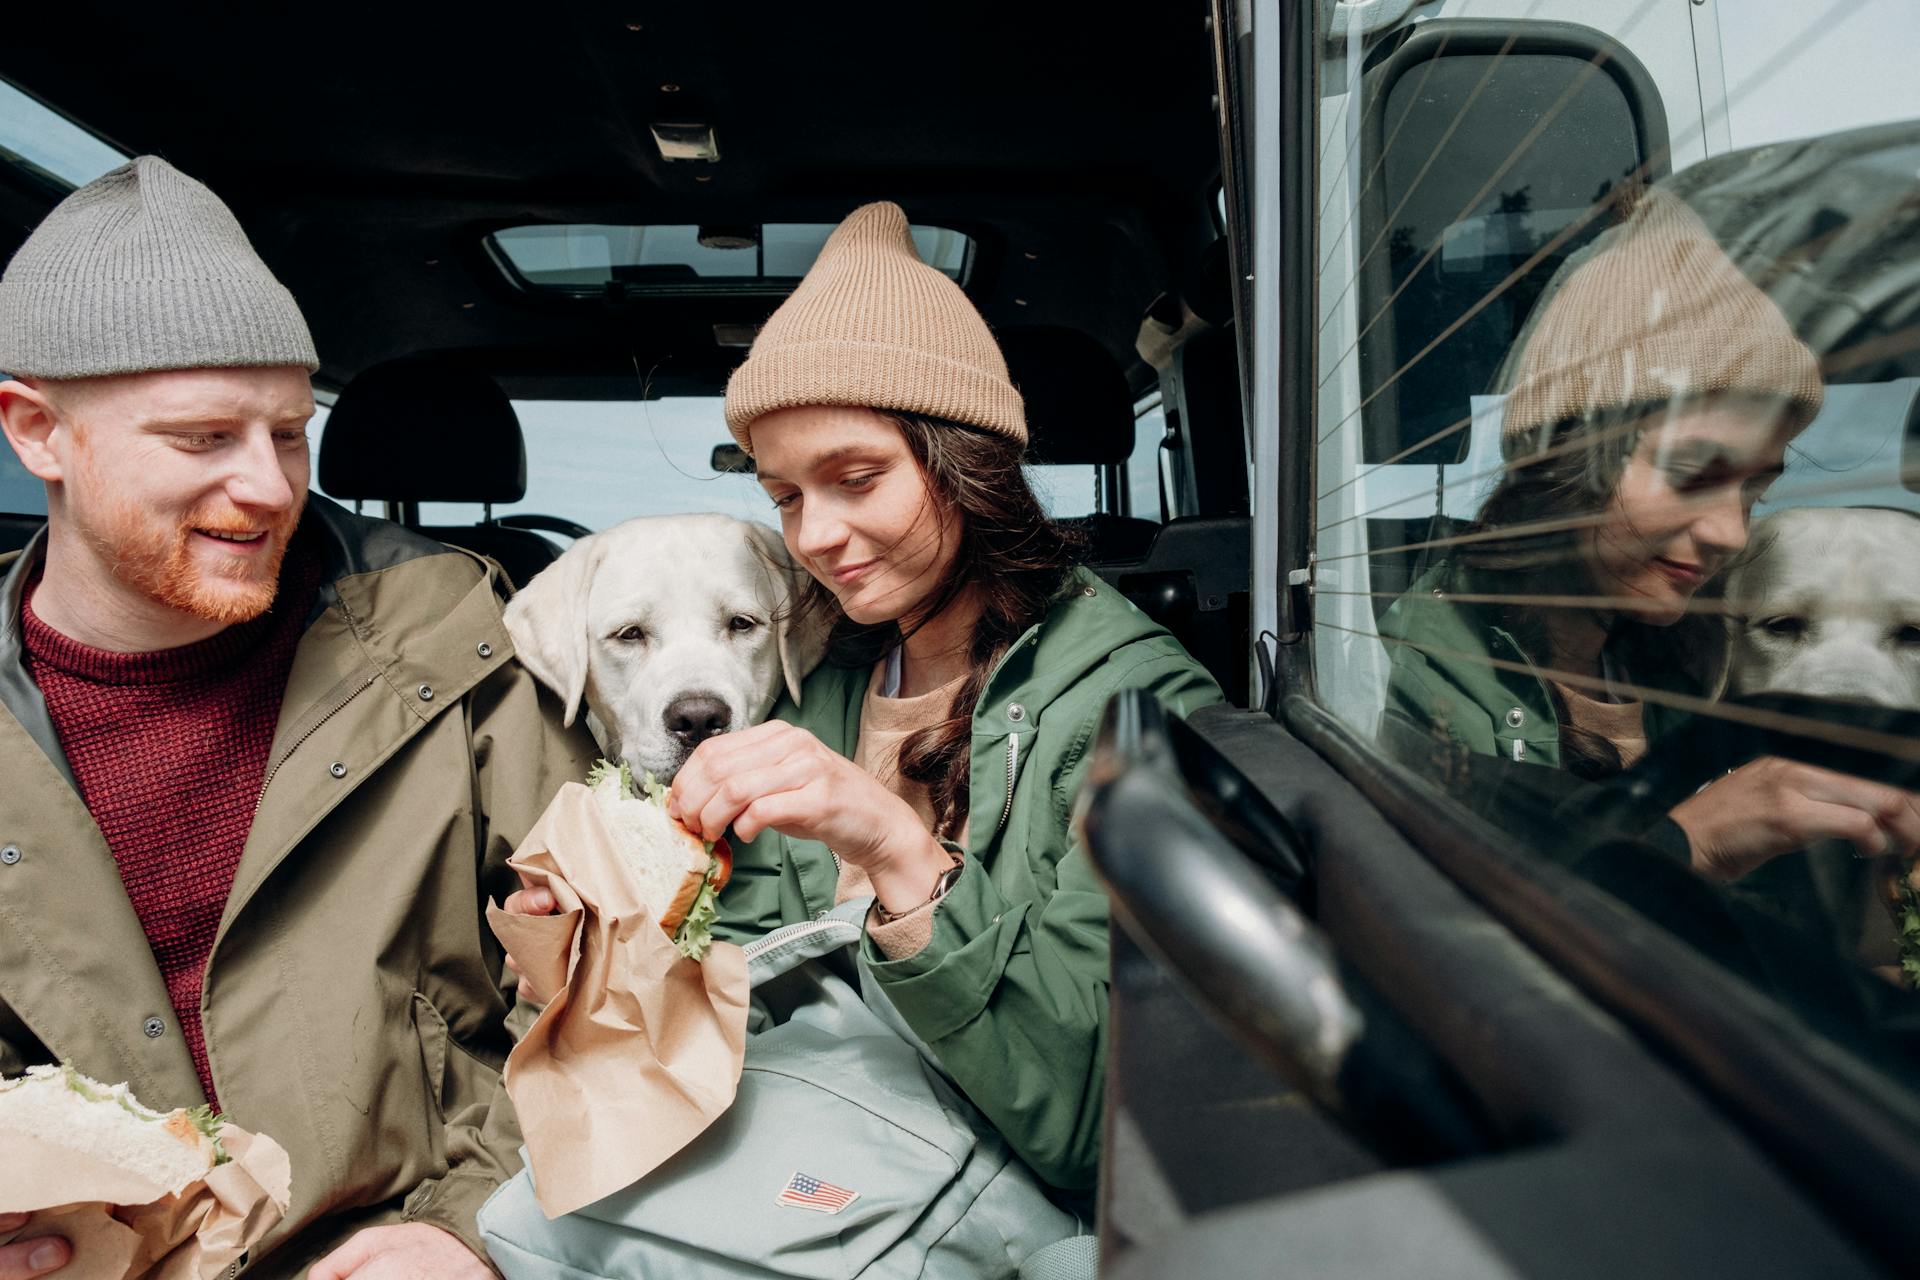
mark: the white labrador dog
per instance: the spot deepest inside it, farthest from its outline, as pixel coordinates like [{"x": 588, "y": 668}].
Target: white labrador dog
[
  {"x": 1826, "y": 601},
  {"x": 670, "y": 629}
]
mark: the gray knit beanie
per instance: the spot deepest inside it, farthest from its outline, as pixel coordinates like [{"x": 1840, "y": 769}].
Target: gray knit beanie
[{"x": 144, "y": 269}]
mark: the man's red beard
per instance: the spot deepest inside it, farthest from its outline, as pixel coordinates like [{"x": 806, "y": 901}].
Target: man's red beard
[{"x": 159, "y": 562}]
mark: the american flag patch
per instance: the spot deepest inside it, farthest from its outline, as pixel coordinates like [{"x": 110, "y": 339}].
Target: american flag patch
[{"x": 804, "y": 1192}]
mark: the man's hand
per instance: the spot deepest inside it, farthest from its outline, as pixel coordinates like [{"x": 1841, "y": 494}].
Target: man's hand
[
  {"x": 530, "y": 900},
  {"x": 409, "y": 1251},
  {"x": 25, "y": 1259}
]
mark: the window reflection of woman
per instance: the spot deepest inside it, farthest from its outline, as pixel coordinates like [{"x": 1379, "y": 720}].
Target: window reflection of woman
[{"x": 1652, "y": 403}]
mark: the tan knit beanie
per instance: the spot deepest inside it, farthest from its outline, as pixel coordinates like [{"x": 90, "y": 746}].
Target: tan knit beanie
[
  {"x": 1655, "y": 311},
  {"x": 873, "y": 326}
]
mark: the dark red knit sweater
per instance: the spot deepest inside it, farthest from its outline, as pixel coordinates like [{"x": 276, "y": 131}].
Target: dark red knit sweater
[{"x": 170, "y": 751}]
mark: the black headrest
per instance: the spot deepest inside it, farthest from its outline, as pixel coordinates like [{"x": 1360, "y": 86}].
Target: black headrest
[
  {"x": 1078, "y": 407},
  {"x": 423, "y": 431}
]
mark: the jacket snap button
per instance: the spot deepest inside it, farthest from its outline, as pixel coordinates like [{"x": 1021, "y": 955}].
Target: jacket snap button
[
  {"x": 337, "y": 769},
  {"x": 426, "y": 693},
  {"x": 1516, "y": 718},
  {"x": 484, "y": 649},
  {"x": 1089, "y": 591},
  {"x": 1016, "y": 713},
  {"x": 10, "y": 854},
  {"x": 154, "y": 1028}
]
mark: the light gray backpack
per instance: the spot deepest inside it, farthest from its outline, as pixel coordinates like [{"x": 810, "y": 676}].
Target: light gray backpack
[{"x": 846, "y": 1153}]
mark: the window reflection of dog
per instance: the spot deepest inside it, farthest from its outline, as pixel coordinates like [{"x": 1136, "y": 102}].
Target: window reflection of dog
[{"x": 1826, "y": 602}]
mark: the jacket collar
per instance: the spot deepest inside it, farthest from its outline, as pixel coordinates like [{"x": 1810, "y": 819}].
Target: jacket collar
[
  {"x": 1082, "y": 629},
  {"x": 1462, "y": 640},
  {"x": 350, "y": 545},
  {"x": 18, "y": 692}
]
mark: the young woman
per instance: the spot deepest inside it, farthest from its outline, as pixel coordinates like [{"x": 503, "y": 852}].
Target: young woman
[
  {"x": 1651, "y": 405},
  {"x": 933, "y": 760}
]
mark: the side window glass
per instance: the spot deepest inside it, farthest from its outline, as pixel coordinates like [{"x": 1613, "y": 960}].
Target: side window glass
[{"x": 1618, "y": 492}]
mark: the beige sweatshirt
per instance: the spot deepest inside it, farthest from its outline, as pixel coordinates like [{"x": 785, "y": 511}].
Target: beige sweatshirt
[
  {"x": 885, "y": 724},
  {"x": 1624, "y": 724}
]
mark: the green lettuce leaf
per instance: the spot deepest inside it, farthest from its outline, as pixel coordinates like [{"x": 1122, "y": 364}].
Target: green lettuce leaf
[
  {"x": 203, "y": 1117},
  {"x": 695, "y": 936}
]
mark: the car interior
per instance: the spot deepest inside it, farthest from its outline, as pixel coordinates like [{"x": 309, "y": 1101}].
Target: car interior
[
  {"x": 1348, "y": 1013},
  {"x": 1078, "y": 164}
]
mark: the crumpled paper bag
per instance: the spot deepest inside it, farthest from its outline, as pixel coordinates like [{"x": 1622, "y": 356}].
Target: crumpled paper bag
[
  {"x": 123, "y": 1226},
  {"x": 639, "y": 1048}
]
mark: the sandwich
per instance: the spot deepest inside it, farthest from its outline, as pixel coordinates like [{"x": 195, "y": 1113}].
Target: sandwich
[
  {"x": 680, "y": 875},
  {"x": 170, "y": 1149}
]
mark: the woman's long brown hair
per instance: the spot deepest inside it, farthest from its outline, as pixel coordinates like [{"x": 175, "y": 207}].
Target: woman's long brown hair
[{"x": 1012, "y": 558}]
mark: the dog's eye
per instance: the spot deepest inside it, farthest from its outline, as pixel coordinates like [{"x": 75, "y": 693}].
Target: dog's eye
[
  {"x": 632, "y": 633},
  {"x": 1785, "y": 626},
  {"x": 1909, "y": 634},
  {"x": 741, "y": 622}
]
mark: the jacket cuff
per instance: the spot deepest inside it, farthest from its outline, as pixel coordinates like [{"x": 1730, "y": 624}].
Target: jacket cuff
[
  {"x": 947, "y": 983},
  {"x": 522, "y": 1016},
  {"x": 452, "y": 1203}
]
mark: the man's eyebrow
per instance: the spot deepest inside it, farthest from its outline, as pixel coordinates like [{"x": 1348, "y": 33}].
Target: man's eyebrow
[
  {"x": 217, "y": 422},
  {"x": 839, "y": 453}
]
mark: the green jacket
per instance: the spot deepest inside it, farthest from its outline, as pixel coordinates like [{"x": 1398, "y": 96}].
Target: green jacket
[
  {"x": 1458, "y": 677},
  {"x": 352, "y": 1005},
  {"x": 1012, "y": 991}
]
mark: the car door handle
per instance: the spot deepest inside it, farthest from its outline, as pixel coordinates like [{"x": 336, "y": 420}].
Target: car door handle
[
  {"x": 1223, "y": 918},
  {"x": 1207, "y": 912}
]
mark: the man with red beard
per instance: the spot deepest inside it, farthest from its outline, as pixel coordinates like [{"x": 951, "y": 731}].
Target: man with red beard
[{"x": 264, "y": 758}]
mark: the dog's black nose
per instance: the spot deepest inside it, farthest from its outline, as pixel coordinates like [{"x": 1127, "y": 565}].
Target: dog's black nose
[{"x": 696, "y": 718}]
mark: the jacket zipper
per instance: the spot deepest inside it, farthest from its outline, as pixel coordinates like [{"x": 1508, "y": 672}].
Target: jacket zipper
[
  {"x": 1013, "y": 766},
  {"x": 781, "y": 937},
  {"x": 312, "y": 729}
]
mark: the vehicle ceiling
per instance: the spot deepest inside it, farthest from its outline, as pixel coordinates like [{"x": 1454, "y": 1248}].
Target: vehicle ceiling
[{"x": 368, "y": 158}]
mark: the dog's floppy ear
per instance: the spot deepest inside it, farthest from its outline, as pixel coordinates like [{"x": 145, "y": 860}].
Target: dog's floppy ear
[
  {"x": 547, "y": 619},
  {"x": 801, "y": 634}
]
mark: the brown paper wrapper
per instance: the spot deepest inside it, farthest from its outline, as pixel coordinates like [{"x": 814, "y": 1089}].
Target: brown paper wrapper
[
  {"x": 640, "y": 1048},
  {"x": 123, "y": 1227}
]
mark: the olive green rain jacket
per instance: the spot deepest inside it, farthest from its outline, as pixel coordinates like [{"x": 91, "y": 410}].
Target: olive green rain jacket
[
  {"x": 352, "y": 1003},
  {"x": 1011, "y": 994},
  {"x": 1459, "y": 677}
]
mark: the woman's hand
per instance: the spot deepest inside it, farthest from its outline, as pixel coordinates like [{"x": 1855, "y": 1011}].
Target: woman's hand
[
  {"x": 778, "y": 777},
  {"x": 1772, "y": 806},
  {"x": 530, "y": 900}
]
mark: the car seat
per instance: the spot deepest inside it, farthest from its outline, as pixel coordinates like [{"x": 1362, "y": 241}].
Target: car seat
[
  {"x": 426, "y": 430},
  {"x": 1079, "y": 413}
]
